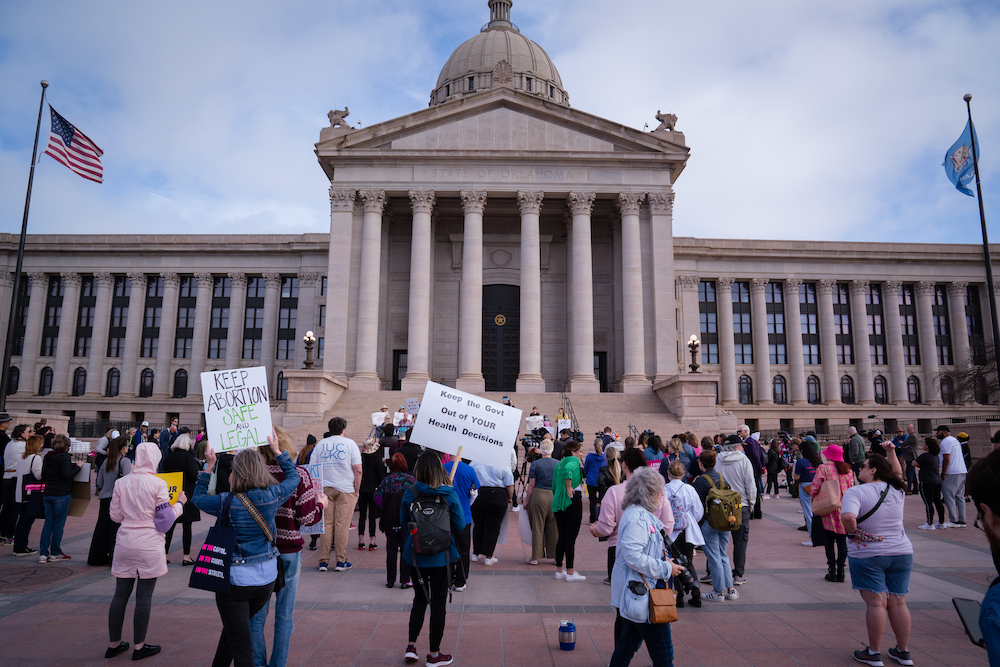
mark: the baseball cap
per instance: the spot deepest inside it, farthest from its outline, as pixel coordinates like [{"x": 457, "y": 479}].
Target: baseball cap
[
  {"x": 144, "y": 424},
  {"x": 943, "y": 427}
]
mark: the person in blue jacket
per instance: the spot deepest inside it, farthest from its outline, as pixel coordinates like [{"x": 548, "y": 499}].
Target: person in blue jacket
[
  {"x": 431, "y": 570},
  {"x": 591, "y": 467}
]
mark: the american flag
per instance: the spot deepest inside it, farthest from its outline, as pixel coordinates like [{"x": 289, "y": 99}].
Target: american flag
[{"x": 71, "y": 147}]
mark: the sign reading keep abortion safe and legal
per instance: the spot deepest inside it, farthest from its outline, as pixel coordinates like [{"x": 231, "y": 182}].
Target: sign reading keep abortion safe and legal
[
  {"x": 449, "y": 419},
  {"x": 237, "y": 410}
]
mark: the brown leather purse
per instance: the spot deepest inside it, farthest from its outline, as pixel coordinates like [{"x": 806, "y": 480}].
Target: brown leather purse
[{"x": 662, "y": 604}]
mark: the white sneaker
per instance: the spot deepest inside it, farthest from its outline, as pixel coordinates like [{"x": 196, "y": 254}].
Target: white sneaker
[
  {"x": 926, "y": 526},
  {"x": 491, "y": 561},
  {"x": 474, "y": 558},
  {"x": 807, "y": 543},
  {"x": 43, "y": 559},
  {"x": 949, "y": 524},
  {"x": 940, "y": 526},
  {"x": 714, "y": 596},
  {"x": 576, "y": 576},
  {"x": 561, "y": 574},
  {"x": 777, "y": 497},
  {"x": 766, "y": 497},
  {"x": 732, "y": 594}
]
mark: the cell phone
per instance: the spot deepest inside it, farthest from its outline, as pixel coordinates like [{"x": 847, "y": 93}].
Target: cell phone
[{"x": 968, "y": 611}]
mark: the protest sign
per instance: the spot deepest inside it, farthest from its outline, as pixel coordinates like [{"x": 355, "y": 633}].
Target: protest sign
[
  {"x": 237, "y": 410},
  {"x": 563, "y": 423},
  {"x": 378, "y": 418},
  {"x": 397, "y": 418},
  {"x": 413, "y": 406},
  {"x": 450, "y": 419},
  {"x": 533, "y": 422},
  {"x": 174, "y": 481},
  {"x": 317, "y": 481}
]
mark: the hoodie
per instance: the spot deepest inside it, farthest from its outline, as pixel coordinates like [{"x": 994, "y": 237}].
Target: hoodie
[{"x": 735, "y": 468}]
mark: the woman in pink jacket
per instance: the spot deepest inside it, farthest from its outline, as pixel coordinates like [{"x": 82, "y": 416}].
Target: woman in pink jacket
[{"x": 142, "y": 506}]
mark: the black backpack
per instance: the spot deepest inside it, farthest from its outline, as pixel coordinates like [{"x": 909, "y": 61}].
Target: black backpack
[{"x": 430, "y": 524}]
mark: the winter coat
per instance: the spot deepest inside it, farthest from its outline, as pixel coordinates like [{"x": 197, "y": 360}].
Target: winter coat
[{"x": 58, "y": 471}]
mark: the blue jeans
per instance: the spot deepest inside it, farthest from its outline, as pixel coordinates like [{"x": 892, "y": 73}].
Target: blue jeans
[
  {"x": 716, "y": 550},
  {"x": 658, "y": 643},
  {"x": 806, "y": 500},
  {"x": 284, "y": 617},
  {"x": 56, "y": 509}
]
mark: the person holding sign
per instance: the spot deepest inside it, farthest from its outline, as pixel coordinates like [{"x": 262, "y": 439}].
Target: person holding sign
[
  {"x": 567, "y": 506},
  {"x": 141, "y": 504},
  {"x": 180, "y": 459}
]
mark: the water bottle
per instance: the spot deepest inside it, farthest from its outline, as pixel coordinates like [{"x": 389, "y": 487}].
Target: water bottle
[{"x": 567, "y": 635}]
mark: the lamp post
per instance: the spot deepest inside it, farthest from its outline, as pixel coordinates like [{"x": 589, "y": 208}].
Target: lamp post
[
  {"x": 694, "y": 345},
  {"x": 309, "y": 339}
]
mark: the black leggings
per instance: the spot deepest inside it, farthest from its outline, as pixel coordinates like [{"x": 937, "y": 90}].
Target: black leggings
[
  {"x": 772, "y": 480},
  {"x": 435, "y": 579},
  {"x": 594, "y": 495},
  {"x": 930, "y": 493},
  {"x": 236, "y": 609},
  {"x": 840, "y": 558},
  {"x": 185, "y": 538},
  {"x": 143, "y": 603},
  {"x": 366, "y": 504},
  {"x": 568, "y": 523}
]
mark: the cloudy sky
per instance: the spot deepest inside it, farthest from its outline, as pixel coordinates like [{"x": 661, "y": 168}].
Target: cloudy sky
[{"x": 806, "y": 120}]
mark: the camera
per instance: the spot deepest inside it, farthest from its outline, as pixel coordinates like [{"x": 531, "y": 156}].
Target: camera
[{"x": 689, "y": 582}]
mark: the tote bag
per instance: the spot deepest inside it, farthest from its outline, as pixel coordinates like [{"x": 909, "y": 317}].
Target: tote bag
[
  {"x": 827, "y": 501},
  {"x": 211, "y": 568}
]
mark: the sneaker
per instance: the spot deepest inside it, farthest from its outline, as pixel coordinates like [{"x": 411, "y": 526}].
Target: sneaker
[
  {"x": 323, "y": 565},
  {"x": 531, "y": 562},
  {"x": 607, "y": 580},
  {"x": 958, "y": 524},
  {"x": 732, "y": 594},
  {"x": 777, "y": 497},
  {"x": 459, "y": 589},
  {"x": 576, "y": 576},
  {"x": 474, "y": 558},
  {"x": 807, "y": 543},
  {"x": 561, "y": 574},
  {"x": 441, "y": 660},
  {"x": 116, "y": 651},
  {"x": 940, "y": 526},
  {"x": 28, "y": 552},
  {"x": 766, "y": 497},
  {"x": 341, "y": 567},
  {"x": 714, "y": 596},
  {"x": 390, "y": 584},
  {"x": 869, "y": 658},
  {"x": 707, "y": 579},
  {"x": 411, "y": 653},
  {"x": 738, "y": 581},
  {"x": 902, "y": 657},
  {"x": 59, "y": 557},
  {"x": 408, "y": 584},
  {"x": 43, "y": 559},
  {"x": 926, "y": 526},
  {"x": 361, "y": 546},
  {"x": 491, "y": 561},
  {"x": 803, "y": 529},
  {"x": 372, "y": 547},
  {"x": 146, "y": 651}
]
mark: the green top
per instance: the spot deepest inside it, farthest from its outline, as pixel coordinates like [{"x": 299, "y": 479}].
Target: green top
[{"x": 569, "y": 468}]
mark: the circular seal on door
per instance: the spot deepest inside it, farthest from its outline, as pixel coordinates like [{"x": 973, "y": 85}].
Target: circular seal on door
[{"x": 500, "y": 320}]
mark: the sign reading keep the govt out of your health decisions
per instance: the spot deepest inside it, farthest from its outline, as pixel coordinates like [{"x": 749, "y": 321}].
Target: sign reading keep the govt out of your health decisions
[
  {"x": 237, "y": 410},
  {"x": 449, "y": 419}
]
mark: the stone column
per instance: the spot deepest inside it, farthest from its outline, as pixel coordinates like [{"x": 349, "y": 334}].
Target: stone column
[
  {"x": 338, "y": 282},
  {"x": 582, "y": 379},
  {"x": 761, "y": 351},
  {"x": 568, "y": 222},
  {"x": 634, "y": 381},
  {"x": 728, "y": 391},
  {"x": 366, "y": 374},
  {"x": 237, "y": 316},
  {"x": 862, "y": 351},
  {"x": 199, "y": 343},
  {"x": 34, "y": 320},
  {"x": 418, "y": 326},
  {"x": 269, "y": 335},
  {"x": 793, "y": 343},
  {"x": 470, "y": 317},
  {"x": 168, "y": 331},
  {"x": 99, "y": 339},
  {"x": 930, "y": 389},
  {"x": 67, "y": 333},
  {"x": 958, "y": 324},
  {"x": 894, "y": 342},
  {"x": 690, "y": 316},
  {"x": 661, "y": 208},
  {"x": 828, "y": 342},
  {"x": 306, "y": 317},
  {"x": 133, "y": 334},
  {"x": 529, "y": 379}
]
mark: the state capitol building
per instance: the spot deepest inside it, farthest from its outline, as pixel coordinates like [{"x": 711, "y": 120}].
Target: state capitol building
[{"x": 500, "y": 240}]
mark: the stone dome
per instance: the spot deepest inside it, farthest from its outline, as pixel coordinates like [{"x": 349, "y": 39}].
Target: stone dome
[{"x": 499, "y": 56}]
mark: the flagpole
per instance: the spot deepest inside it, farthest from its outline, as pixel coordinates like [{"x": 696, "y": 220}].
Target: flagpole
[
  {"x": 8, "y": 346},
  {"x": 986, "y": 241}
]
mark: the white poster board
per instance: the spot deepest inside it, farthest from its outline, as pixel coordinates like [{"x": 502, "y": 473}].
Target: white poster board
[
  {"x": 237, "y": 409},
  {"x": 317, "y": 481},
  {"x": 413, "y": 406},
  {"x": 534, "y": 422},
  {"x": 450, "y": 418},
  {"x": 378, "y": 418},
  {"x": 397, "y": 418},
  {"x": 561, "y": 424}
]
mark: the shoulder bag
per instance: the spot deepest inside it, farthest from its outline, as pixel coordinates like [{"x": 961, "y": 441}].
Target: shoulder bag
[
  {"x": 211, "y": 568},
  {"x": 828, "y": 500},
  {"x": 662, "y": 604},
  {"x": 279, "y": 583}
]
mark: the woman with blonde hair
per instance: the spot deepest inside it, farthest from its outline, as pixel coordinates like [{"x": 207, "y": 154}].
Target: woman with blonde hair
[
  {"x": 538, "y": 500},
  {"x": 182, "y": 460}
]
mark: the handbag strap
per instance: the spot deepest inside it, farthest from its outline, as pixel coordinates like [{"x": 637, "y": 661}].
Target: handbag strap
[
  {"x": 224, "y": 516},
  {"x": 881, "y": 499},
  {"x": 256, "y": 517}
]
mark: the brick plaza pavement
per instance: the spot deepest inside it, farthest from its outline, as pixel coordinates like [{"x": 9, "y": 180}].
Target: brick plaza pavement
[{"x": 787, "y": 614}]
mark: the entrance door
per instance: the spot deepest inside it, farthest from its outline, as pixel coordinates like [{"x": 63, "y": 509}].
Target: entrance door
[{"x": 501, "y": 336}]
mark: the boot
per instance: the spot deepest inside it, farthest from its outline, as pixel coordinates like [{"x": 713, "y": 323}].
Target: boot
[
  {"x": 695, "y": 600},
  {"x": 840, "y": 572},
  {"x": 831, "y": 575},
  {"x": 680, "y": 599}
]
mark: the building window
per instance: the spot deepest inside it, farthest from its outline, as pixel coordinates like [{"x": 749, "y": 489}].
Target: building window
[
  {"x": 217, "y": 348},
  {"x": 45, "y": 383},
  {"x": 322, "y": 286},
  {"x": 774, "y": 298},
  {"x": 813, "y": 394},
  {"x": 942, "y": 334},
  {"x": 85, "y": 317},
  {"x": 13, "y": 380},
  {"x": 447, "y": 90},
  {"x": 746, "y": 390},
  {"x": 780, "y": 390},
  {"x": 251, "y": 348},
  {"x": 808, "y": 315},
  {"x": 876, "y": 328},
  {"x": 21, "y": 316},
  {"x": 472, "y": 83},
  {"x": 113, "y": 383},
  {"x": 908, "y": 325},
  {"x": 846, "y": 390},
  {"x": 947, "y": 391},
  {"x": 150, "y": 347},
  {"x": 281, "y": 393},
  {"x": 552, "y": 91},
  {"x": 180, "y": 384},
  {"x": 182, "y": 348},
  {"x": 153, "y": 309},
  {"x": 322, "y": 316},
  {"x": 218, "y": 333},
  {"x": 288, "y": 308},
  {"x": 974, "y": 323},
  {"x": 53, "y": 314},
  {"x": 881, "y": 390},
  {"x": 319, "y": 347},
  {"x": 742, "y": 335},
  {"x": 842, "y": 324},
  {"x": 979, "y": 387},
  {"x": 253, "y": 321},
  {"x": 527, "y": 84},
  {"x": 708, "y": 315},
  {"x": 913, "y": 389},
  {"x": 146, "y": 383},
  {"x": 79, "y": 381},
  {"x": 187, "y": 301}
]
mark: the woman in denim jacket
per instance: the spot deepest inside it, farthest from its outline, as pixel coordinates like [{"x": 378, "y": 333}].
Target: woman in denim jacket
[
  {"x": 640, "y": 552},
  {"x": 255, "y": 565}
]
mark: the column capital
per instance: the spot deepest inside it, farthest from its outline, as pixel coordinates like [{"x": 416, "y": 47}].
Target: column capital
[
  {"x": 581, "y": 203},
  {"x": 38, "y": 278},
  {"x": 725, "y": 283},
  {"x": 205, "y": 279},
  {"x": 308, "y": 279},
  {"x": 272, "y": 280},
  {"x": 138, "y": 279},
  {"x": 530, "y": 202},
  {"x": 893, "y": 285},
  {"x": 758, "y": 285},
  {"x": 925, "y": 287},
  {"x": 629, "y": 203},
  {"x": 341, "y": 200},
  {"x": 688, "y": 283},
  {"x": 859, "y": 287},
  {"x": 105, "y": 279},
  {"x": 957, "y": 289},
  {"x": 374, "y": 200},
  {"x": 70, "y": 278},
  {"x": 422, "y": 201},
  {"x": 238, "y": 279},
  {"x": 473, "y": 201},
  {"x": 661, "y": 203},
  {"x": 792, "y": 285},
  {"x": 826, "y": 285},
  {"x": 171, "y": 280}
]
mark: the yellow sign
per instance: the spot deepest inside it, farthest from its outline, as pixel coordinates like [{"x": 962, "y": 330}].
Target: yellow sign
[
  {"x": 174, "y": 482},
  {"x": 500, "y": 320}
]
